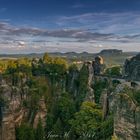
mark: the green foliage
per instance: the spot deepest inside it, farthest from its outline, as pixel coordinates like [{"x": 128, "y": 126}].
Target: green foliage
[
  {"x": 39, "y": 133},
  {"x": 88, "y": 123},
  {"x": 137, "y": 96},
  {"x": 50, "y": 119},
  {"x": 38, "y": 89},
  {"x": 114, "y": 71},
  {"x": 47, "y": 59},
  {"x": 25, "y": 132},
  {"x": 99, "y": 86},
  {"x": 106, "y": 129},
  {"x": 18, "y": 69},
  {"x": 73, "y": 68},
  {"x": 61, "y": 112},
  {"x": 134, "y": 94},
  {"x": 58, "y": 127},
  {"x": 64, "y": 107},
  {"x": 34, "y": 99},
  {"x": 87, "y": 120},
  {"x": 54, "y": 68}
]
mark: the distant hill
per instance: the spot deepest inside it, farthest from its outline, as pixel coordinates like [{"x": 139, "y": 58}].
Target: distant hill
[
  {"x": 111, "y": 57},
  {"x": 110, "y": 52}
]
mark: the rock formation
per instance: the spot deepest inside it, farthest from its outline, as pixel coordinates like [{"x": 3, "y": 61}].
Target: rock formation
[
  {"x": 90, "y": 94},
  {"x": 104, "y": 103},
  {"x": 132, "y": 68},
  {"x": 12, "y": 111},
  {"x": 72, "y": 79},
  {"x": 41, "y": 114},
  {"x": 98, "y": 65},
  {"x": 10, "y": 116},
  {"x": 126, "y": 114}
]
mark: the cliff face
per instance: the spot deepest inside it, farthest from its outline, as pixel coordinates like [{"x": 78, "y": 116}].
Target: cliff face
[
  {"x": 8, "y": 128},
  {"x": 98, "y": 65},
  {"x": 13, "y": 113},
  {"x": 126, "y": 115},
  {"x": 41, "y": 114},
  {"x": 9, "y": 123},
  {"x": 90, "y": 94},
  {"x": 72, "y": 79},
  {"x": 126, "y": 119},
  {"x": 132, "y": 68}
]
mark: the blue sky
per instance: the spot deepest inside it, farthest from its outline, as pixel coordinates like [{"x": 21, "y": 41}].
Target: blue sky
[{"x": 32, "y": 26}]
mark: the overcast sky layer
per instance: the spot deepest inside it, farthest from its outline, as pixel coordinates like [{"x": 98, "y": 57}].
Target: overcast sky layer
[{"x": 35, "y": 26}]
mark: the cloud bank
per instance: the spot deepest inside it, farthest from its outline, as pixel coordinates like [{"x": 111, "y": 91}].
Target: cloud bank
[{"x": 85, "y": 32}]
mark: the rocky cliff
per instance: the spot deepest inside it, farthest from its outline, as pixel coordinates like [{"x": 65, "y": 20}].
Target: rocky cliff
[
  {"x": 126, "y": 112},
  {"x": 132, "y": 68},
  {"x": 98, "y": 65},
  {"x": 90, "y": 94},
  {"x": 12, "y": 111}
]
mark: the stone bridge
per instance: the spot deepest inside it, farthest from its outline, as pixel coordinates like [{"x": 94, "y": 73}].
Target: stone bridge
[{"x": 122, "y": 80}]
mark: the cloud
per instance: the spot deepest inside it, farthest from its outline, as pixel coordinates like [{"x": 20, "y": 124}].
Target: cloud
[
  {"x": 89, "y": 32},
  {"x": 117, "y": 23},
  {"x": 21, "y": 44},
  {"x": 108, "y": 31},
  {"x": 9, "y": 30}
]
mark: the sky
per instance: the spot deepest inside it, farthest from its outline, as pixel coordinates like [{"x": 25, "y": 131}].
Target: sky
[{"x": 36, "y": 26}]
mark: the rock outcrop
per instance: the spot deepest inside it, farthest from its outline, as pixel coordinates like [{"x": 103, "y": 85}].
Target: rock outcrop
[
  {"x": 72, "y": 79},
  {"x": 98, "y": 65},
  {"x": 90, "y": 94},
  {"x": 126, "y": 119},
  {"x": 104, "y": 103},
  {"x": 132, "y": 68},
  {"x": 126, "y": 114},
  {"x": 13, "y": 113},
  {"x": 41, "y": 114}
]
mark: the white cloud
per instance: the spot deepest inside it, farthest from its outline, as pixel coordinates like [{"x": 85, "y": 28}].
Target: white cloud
[{"x": 21, "y": 43}]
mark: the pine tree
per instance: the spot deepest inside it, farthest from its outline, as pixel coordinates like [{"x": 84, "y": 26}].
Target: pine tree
[{"x": 39, "y": 131}]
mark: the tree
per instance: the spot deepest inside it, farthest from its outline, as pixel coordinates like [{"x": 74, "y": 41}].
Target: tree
[
  {"x": 49, "y": 122},
  {"x": 47, "y": 59},
  {"x": 61, "y": 112},
  {"x": 99, "y": 86},
  {"x": 25, "y": 132},
  {"x": 65, "y": 108},
  {"x": 87, "y": 121},
  {"x": 114, "y": 71},
  {"x": 40, "y": 135},
  {"x": 73, "y": 67},
  {"x": 58, "y": 128}
]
